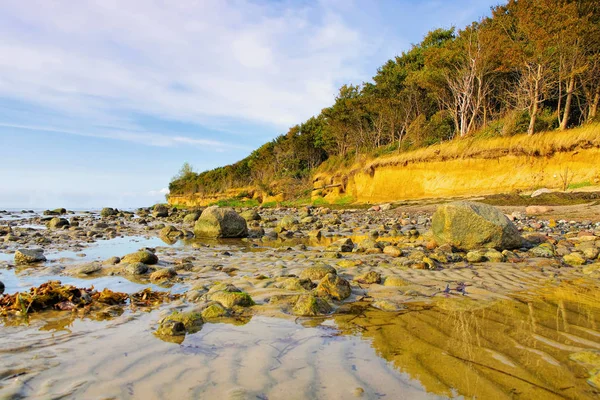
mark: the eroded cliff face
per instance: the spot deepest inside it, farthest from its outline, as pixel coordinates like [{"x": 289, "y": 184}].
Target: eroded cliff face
[
  {"x": 200, "y": 200},
  {"x": 460, "y": 177}
]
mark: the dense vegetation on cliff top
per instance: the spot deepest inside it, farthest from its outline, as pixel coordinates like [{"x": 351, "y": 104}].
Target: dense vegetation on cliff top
[{"x": 533, "y": 65}]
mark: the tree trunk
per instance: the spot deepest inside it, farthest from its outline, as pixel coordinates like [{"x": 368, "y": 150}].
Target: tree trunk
[
  {"x": 533, "y": 109},
  {"x": 567, "y": 112},
  {"x": 594, "y": 106}
]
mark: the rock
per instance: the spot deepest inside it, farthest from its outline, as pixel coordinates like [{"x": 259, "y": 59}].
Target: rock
[
  {"x": 89, "y": 268},
  {"x": 218, "y": 222},
  {"x": 317, "y": 272},
  {"x": 468, "y": 225},
  {"x": 574, "y": 259},
  {"x": 342, "y": 245},
  {"x": 395, "y": 281},
  {"x": 392, "y": 251},
  {"x": 545, "y": 250},
  {"x": 296, "y": 284},
  {"x": 475, "y": 257},
  {"x": 250, "y": 215},
  {"x": 23, "y": 256},
  {"x": 213, "y": 311},
  {"x": 191, "y": 218},
  {"x": 494, "y": 255},
  {"x": 288, "y": 222},
  {"x": 108, "y": 212},
  {"x": 135, "y": 268},
  {"x": 160, "y": 211},
  {"x": 385, "y": 305},
  {"x": 141, "y": 256},
  {"x": 112, "y": 260},
  {"x": 230, "y": 296},
  {"x": 537, "y": 210},
  {"x": 369, "y": 278},
  {"x": 170, "y": 231},
  {"x": 385, "y": 207},
  {"x": 333, "y": 286},
  {"x": 57, "y": 223},
  {"x": 1, "y": 287},
  {"x": 163, "y": 274},
  {"x": 540, "y": 192},
  {"x": 308, "y": 305},
  {"x": 180, "y": 323}
]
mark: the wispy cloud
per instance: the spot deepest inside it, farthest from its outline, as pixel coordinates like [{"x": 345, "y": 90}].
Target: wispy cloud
[
  {"x": 146, "y": 138},
  {"x": 207, "y": 63}
]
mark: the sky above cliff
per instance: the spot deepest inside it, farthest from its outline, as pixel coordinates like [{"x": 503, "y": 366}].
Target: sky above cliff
[{"x": 101, "y": 102}]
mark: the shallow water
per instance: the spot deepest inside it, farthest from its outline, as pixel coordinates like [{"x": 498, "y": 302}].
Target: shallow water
[{"x": 530, "y": 347}]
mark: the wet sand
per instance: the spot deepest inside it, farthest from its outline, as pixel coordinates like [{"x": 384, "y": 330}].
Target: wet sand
[{"x": 523, "y": 328}]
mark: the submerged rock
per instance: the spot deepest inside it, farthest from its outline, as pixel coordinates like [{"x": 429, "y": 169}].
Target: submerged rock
[
  {"x": 308, "y": 305},
  {"x": 467, "y": 225},
  {"x": 218, "y": 222},
  {"x": 24, "y": 256}
]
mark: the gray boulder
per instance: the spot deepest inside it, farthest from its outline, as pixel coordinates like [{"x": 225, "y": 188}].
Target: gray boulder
[
  {"x": 218, "y": 222},
  {"x": 23, "y": 256},
  {"x": 467, "y": 225}
]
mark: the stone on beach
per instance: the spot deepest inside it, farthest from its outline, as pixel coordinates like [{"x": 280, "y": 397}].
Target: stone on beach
[
  {"x": 24, "y": 256},
  {"x": 218, "y": 222},
  {"x": 468, "y": 225}
]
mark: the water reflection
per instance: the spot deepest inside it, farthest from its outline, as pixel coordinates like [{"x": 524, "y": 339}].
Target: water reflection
[{"x": 501, "y": 349}]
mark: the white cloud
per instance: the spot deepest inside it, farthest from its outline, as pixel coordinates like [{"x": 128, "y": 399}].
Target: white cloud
[{"x": 194, "y": 61}]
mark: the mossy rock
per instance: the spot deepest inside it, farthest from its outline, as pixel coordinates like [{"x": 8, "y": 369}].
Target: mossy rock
[
  {"x": 369, "y": 278},
  {"x": 468, "y": 225},
  {"x": 141, "y": 256},
  {"x": 108, "y": 212},
  {"x": 334, "y": 287},
  {"x": 214, "y": 311},
  {"x": 218, "y": 222},
  {"x": 57, "y": 223},
  {"x": 250, "y": 215},
  {"x": 135, "y": 268},
  {"x": 308, "y": 305},
  {"x": 231, "y": 299},
  {"x": 180, "y": 323},
  {"x": 317, "y": 272}
]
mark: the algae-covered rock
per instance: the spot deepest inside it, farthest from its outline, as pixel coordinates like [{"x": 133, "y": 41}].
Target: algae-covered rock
[
  {"x": 494, "y": 255},
  {"x": 108, "y": 212},
  {"x": 392, "y": 251},
  {"x": 475, "y": 257},
  {"x": 317, "y": 272},
  {"x": 288, "y": 222},
  {"x": 296, "y": 284},
  {"x": 341, "y": 245},
  {"x": 545, "y": 250},
  {"x": 333, "y": 286},
  {"x": 170, "y": 231},
  {"x": 218, "y": 222},
  {"x": 57, "y": 223},
  {"x": 574, "y": 259},
  {"x": 309, "y": 305},
  {"x": 191, "y": 218},
  {"x": 230, "y": 296},
  {"x": 142, "y": 256},
  {"x": 369, "y": 278},
  {"x": 250, "y": 215},
  {"x": 24, "y": 256},
  {"x": 180, "y": 323},
  {"x": 213, "y": 311},
  {"x": 467, "y": 225}
]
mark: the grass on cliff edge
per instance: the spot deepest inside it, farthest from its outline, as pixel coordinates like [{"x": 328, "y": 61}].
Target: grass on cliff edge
[{"x": 538, "y": 145}]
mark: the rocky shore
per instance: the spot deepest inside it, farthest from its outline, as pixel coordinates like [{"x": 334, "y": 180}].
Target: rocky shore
[{"x": 307, "y": 264}]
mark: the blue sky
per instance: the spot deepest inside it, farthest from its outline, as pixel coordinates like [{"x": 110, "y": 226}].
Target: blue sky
[{"x": 101, "y": 102}]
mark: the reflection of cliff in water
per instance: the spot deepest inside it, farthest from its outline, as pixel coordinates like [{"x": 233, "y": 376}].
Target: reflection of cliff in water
[{"x": 541, "y": 346}]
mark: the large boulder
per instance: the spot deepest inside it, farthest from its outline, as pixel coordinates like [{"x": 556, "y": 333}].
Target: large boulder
[
  {"x": 218, "y": 222},
  {"x": 467, "y": 225}
]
